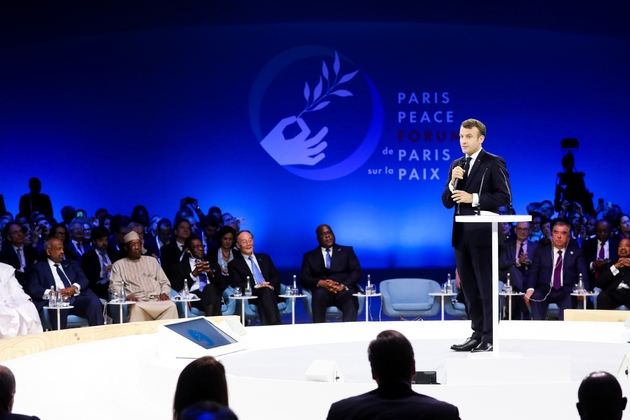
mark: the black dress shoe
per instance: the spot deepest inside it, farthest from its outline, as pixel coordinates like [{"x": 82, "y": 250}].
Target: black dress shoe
[
  {"x": 482, "y": 347},
  {"x": 468, "y": 345}
]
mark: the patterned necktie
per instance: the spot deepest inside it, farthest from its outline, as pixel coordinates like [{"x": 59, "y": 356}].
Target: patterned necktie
[
  {"x": 257, "y": 274},
  {"x": 557, "y": 272},
  {"x": 104, "y": 263},
  {"x": 203, "y": 279},
  {"x": 62, "y": 276},
  {"x": 327, "y": 257}
]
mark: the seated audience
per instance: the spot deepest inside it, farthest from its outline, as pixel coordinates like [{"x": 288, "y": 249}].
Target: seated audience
[
  {"x": 600, "y": 398},
  {"x": 7, "y": 395},
  {"x": 15, "y": 253},
  {"x": 614, "y": 279},
  {"x": 204, "y": 279},
  {"x": 555, "y": 269},
  {"x": 264, "y": 279},
  {"x": 599, "y": 250},
  {"x": 139, "y": 229},
  {"x": 161, "y": 238},
  {"x": 331, "y": 272},
  {"x": 18, "y": 315},
  {"x": 97, "y": 263},
  {"x": 144, "y": 281},
  {"x": 68, "y": 278},
  {"x": 393, "y": 367},
  {"x": 202, "y": 380},
  {"x": 173, "y": 252},
  {"x": 225, "y": 253},
  {"x": 535, "y": 233}
]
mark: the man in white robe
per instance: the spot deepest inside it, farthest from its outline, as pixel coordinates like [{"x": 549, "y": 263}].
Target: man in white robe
[{"x": 18, "y": 315}]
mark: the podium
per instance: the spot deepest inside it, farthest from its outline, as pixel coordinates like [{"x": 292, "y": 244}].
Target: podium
[{"x": 494, "y": 220}]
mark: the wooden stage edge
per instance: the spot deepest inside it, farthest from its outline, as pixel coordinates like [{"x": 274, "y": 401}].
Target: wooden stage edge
[{"x": 12, "y": 348}]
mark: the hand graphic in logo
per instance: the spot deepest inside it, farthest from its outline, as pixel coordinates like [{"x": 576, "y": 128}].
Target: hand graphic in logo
[{"x": 300, "y": 150}]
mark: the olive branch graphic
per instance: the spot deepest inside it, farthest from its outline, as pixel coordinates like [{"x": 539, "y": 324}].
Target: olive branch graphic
[{"x": 317, "y": 101}]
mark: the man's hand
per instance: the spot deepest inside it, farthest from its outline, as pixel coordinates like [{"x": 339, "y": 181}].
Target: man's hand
[
  {"x": 623, "y": 262},
  {"x": 599, "y": 263},
  {"x": 202, "y": 266},
  {"x": 527, "y": 296},
  {"x": 68, "y": 291},
  {"x": 264, "y": 284},
  {"x": 163, "y": 297},
  {"x": 132, "y": 298},
  {"x": 458, "y": 173},
  {"x": 330, "y": 285},
  {"x": 462, "y": 197}
]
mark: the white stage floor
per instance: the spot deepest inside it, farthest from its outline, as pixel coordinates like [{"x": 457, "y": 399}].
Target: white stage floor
[{"x": 122, "y": 378}]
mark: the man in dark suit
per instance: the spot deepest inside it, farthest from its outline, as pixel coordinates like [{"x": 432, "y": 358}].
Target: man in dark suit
[
  {"x": 264, "y": 279},
  {"x": 67, "y": 277},
  {"x": 15, "y": 253},
  {"x": 556, "y": 267},
  {"x": 477, "y": 182},
  {"x": 7, "y": 395},
  {"x": 163, "y": 236},
  {"x": 172, "y": 253},
  {"x": 204, "y": 278},
  {"x": 519, "y": 252},
  {"x": 615, "y": 279},
  {"x": 393, "y": 367},
  {"x": 599, "y": 250},
  {"x": 78, "y": 242},
  {"x": 331, "y": 272},
  {"x": 97, "y": 263}
]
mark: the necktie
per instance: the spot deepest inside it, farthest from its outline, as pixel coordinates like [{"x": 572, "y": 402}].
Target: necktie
[
  {"x": 62, "y": 276},
  {"x": 467, "y": 166},
  {"x": 520, "y": 252},
  {"x": 20, "y": 257},
  {"x": 257, "y": 274},
  {"x": 203, "y": 279},
  {"x": 327, "y": 257},
  {"x": 557, "y": 272},
  {"x": 79, "y": 248},
  {"x": 104, "y": 263},
  {"x": 602, "y": 253}
]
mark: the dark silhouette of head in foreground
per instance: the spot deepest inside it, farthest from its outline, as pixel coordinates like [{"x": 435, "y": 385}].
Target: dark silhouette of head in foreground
[{"x": 599, "y": 397}]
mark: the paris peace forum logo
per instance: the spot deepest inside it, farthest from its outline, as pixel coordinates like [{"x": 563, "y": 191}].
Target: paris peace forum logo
[{"x": 316, "y": 113}]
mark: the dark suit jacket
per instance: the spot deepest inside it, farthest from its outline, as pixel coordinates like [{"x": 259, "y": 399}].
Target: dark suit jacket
[
  {"x": 40, "y": 278},
  {"x": 86, "y": 247},
  {"x": 170, "y": 255},
  {"x": 489, "y": 179},
  {"x": 344, "y": 267},
  {"x": 9, "y": 256},
  {"x": 590, "y": 253},
  {"x": 511, "y": 251},
  {"x": 40, "y": 203},
  {"x": 91, "y": 266},
  {"x": 607, "y": 282},
  {"x": 115, "y": 250},
  {"x": 392, "y": 401},
  {"x": 182, "y": 270},
  {"x": 150, "y": 244},
  {"x": 542, "y": 267},
  {"x": 239, "y": 270}
]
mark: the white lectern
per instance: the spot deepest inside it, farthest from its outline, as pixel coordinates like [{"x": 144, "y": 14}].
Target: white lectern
[{"x": 494, "y": 219}]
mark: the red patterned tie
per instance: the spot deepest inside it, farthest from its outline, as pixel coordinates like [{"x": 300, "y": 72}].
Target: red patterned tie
[
  {"x": 557, "y": 272},
  {"x": 602, "y": 254}
]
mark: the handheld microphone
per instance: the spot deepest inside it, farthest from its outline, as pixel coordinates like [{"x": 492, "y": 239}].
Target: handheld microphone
[{"x": 462, "y": 164}]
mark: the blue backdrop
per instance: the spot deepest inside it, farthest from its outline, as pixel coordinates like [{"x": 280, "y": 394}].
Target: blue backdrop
[{"x": 148, "y": 117}]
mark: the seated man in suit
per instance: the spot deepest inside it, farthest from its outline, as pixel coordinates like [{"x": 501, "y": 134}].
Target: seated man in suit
[
  {"x": 204, "y": 278},
  {"x": 67, "y": 277},
  {"x": 519, "y": 252},
  {"x": 162, "y": 237},
  {"x": 144, "y": 281},
  {"x": 264, "y": 279},
  {"x": 7, "y": 394},
  {"x": 173, "y": 252},
  {"x": 600, "y": 250},
  {"x": 78, "y": 243},
  {"x": 18, "y": 315},
  {"x": 15, "y": 253},
  {"x": 393, "y": 367},
  {"x": 97, "y": 263},
  {"x": 331, "y": 272},
  {"x": 600, "y": 398},
  {"x": 555, "y": 269},
  {"x": 615, "y": 279}
]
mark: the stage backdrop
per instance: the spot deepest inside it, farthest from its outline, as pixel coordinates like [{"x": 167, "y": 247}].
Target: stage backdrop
[{"x": 293, "y": 125}]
